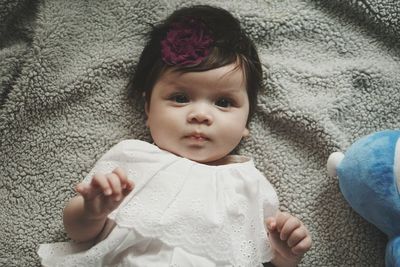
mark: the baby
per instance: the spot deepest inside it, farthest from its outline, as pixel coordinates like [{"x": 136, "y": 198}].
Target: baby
[{"x": 184, "y": 200}]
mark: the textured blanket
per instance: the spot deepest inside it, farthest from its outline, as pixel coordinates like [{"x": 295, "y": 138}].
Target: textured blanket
[{"x": 332, "y": 74}]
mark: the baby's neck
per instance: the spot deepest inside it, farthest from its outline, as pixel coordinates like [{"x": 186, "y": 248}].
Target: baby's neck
[{"x": 229, "y": 159}]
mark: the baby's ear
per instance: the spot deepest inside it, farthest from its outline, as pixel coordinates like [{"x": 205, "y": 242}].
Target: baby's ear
[
  {"x": 146, "y": 103},
  {"x": 146, "y": 108},
  {"x": 246, "y": 132}
]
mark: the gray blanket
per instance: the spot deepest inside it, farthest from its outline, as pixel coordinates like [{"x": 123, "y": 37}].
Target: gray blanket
[{"x": 332, "y": 75}]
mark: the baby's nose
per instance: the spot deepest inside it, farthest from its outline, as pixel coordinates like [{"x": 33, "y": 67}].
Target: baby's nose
[{"x": 200, "y": 113}]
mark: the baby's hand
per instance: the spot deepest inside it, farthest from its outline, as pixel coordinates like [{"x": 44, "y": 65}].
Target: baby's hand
[
  {"x": 289, "y": 238},
  {"x": 104, "y": 193}
]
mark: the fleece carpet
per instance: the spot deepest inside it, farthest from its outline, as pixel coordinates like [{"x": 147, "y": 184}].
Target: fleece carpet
[{"x": 332, "y": 74}]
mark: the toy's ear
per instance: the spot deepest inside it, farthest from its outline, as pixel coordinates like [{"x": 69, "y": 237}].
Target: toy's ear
[{"x": 333, "y": 162}]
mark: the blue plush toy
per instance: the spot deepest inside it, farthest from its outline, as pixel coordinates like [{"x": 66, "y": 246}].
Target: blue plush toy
[{"x": 369, "y": 178}]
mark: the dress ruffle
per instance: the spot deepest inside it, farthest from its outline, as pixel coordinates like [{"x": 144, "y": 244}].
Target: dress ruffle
[{"x": 214, "y": 213}]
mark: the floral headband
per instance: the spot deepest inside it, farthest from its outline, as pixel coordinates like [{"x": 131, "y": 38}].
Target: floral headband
[{"x": 187, "y": 42}]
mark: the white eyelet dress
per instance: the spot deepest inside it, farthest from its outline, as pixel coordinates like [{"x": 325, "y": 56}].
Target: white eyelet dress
[{"x": 181, "y": 213}]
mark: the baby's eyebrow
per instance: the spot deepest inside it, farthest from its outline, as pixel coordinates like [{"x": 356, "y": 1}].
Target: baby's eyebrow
[{"x": 232, "y": 90}]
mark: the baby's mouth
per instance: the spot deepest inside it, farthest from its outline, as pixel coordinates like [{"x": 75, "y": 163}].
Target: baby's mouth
[{"x": 198, "y": 137}]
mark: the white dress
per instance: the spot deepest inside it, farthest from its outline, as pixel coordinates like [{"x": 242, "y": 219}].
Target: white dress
[{"x": 181, "y": 213}]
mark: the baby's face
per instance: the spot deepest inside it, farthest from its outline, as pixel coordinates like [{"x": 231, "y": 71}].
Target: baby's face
[{"x": 199, "y": 115}]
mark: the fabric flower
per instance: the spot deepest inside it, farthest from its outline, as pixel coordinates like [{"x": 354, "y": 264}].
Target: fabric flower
[{"x": 187, "y": 42}]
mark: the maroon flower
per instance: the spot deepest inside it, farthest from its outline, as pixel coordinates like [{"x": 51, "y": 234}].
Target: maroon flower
[{"x": 187, "y": 43}]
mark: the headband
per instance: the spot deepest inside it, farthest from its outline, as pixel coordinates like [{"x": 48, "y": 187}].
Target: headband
[{"x": 187, "y": 43}]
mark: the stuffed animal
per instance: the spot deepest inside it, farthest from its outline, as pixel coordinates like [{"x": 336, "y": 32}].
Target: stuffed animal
[{"x": 369, "y": 179}]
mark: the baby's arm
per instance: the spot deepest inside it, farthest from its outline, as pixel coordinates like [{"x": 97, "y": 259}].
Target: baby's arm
[
  {"x": 85, "y": 215},
  {"x": 289, "y": 238}
]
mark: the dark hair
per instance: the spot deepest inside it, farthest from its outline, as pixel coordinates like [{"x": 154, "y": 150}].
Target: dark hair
[{"x": 231, "y": 44}]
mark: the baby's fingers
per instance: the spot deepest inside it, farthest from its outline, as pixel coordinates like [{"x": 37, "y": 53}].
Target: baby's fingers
[
  {"x": 121, "y": 175},
  {"x": 101, "y": 181},
  {"x": 82, "y": 188},
  {"x": 119, "y": 183},
  {"x": 116, "y": 186},
  {"x": 130, "y": 185},
  {"x": 292, "y": 224},
  {"x": 303, "y": 246},
  {"x": 296, "y": 236},
  {"x": 125, "y": 182},
  {"x": 271, "y": 224},
  {"x": 87, "y": 191}
]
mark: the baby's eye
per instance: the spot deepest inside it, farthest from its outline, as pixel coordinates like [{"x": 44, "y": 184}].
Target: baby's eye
[
  {"x": 224, "y": 103},
  {"x": 179, "y": 98}
]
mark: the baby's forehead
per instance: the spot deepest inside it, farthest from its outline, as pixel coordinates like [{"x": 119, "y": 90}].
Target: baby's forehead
[{"x": 224, "y": 73}]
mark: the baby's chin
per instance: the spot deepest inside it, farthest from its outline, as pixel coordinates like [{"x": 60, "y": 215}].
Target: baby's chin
[
  {"x": 198, "y": 156},
  {"x": 208, "y": 159}
]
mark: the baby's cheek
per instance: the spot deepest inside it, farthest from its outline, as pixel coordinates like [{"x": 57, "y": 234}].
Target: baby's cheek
[{"x": 231, "y": 135}]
